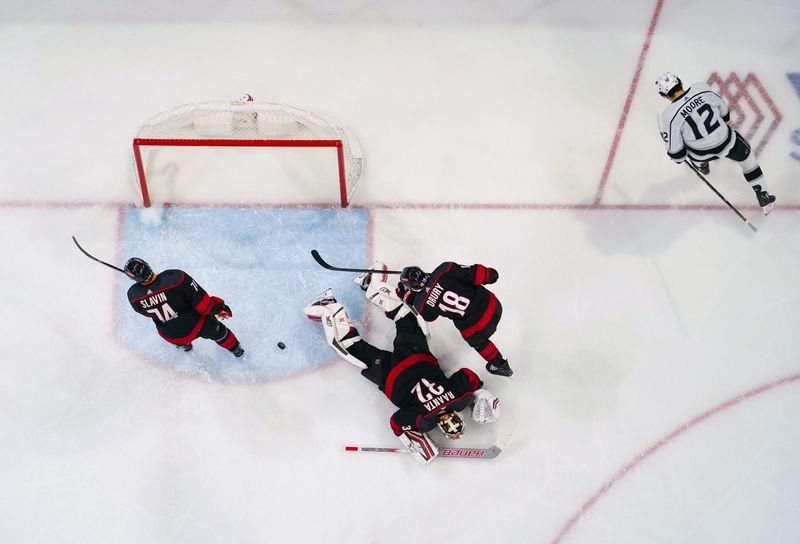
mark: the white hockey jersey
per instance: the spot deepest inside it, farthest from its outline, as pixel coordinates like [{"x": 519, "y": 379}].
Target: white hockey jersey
[{"x": 696, "y": 125}]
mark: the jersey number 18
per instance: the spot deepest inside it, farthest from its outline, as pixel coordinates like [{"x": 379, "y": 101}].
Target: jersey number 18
[{"x": 453, "y": 303}]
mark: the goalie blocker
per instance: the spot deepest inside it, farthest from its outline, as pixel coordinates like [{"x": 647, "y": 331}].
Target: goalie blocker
[{"x": 409, "y": 375}]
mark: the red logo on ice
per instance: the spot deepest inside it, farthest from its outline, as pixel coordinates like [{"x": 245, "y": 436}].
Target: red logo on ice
[{"x": 753, "y": 113}]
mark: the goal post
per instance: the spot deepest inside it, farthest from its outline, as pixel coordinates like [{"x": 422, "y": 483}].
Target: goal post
[{"x": 246, "y": 124}]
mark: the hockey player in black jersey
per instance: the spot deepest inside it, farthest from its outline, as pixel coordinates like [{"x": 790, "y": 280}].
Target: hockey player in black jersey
[
  {"x": 457, "y": 292},
  {"x": 409, "y": 376},
  {"x": 695, "y": 126},
  {"x": 180, "y": 309}
]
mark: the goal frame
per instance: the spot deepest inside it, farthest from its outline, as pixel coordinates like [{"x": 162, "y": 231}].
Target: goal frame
[
  {"x": 177, "y": 127},
  {"x": 139, "y": 142}
]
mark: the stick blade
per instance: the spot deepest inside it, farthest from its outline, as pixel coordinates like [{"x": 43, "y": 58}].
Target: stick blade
[{"x": 319, "y": 259}]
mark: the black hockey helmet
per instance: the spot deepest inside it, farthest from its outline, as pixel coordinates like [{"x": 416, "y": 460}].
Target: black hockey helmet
[
  {"x": 413, "y": 278},
  {"x": 451, "y": 424},
  {"x": 138, "y": 270}
]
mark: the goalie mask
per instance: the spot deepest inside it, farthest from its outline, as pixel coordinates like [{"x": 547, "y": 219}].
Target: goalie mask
[
  {"x": 451, "y": 424},
  {"x": 138, "y": 270},
  {"x": 666, "y": 83},
  {"x": 413, "y": 278}
]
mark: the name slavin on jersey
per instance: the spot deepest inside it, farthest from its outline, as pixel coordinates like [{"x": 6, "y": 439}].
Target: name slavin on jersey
[
  {"x": 434, "y": 295},
  {"x": 690, "y": 106},
  {"x": 154, "y": 300},
  {"x": 438, "y": 401}
]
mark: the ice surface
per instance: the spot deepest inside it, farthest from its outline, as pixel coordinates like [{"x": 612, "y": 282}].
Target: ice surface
[{"x": 654, "y": 338}]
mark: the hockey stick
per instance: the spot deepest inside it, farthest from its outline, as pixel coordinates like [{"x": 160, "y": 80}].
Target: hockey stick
[
  {"x": 731, "y": 206},
  {"x": 699, "y": 175},
  {"x": 469, "y": 453},
  {"x": 96, "y": 259},
  {"x": 323, "y": 264}
]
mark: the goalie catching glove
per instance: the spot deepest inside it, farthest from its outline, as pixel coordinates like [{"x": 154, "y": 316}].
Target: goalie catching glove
[
  {"x": 486, "y": 408},
  {"x": 420, "y": 446}
]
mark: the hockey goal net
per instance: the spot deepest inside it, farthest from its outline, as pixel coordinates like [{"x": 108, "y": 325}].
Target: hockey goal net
[{"x": 210, "y": 146}]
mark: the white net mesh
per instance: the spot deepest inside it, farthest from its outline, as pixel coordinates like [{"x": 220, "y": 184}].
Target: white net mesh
[{"x": 245, "y": 120}]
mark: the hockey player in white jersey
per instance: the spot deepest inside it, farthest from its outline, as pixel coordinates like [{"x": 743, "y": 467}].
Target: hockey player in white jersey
[{"x": 695, "y": 126}]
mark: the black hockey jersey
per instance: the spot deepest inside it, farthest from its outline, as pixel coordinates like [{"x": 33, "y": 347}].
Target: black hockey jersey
[
  {"x": 176, "y": 304},
  {"x": 420, "y": 389},
  {"x": 456, "y": 292}
]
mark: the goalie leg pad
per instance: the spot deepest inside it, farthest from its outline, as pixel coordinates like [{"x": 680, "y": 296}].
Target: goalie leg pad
[
  {"x": 315, "y": 308},
  {"x": 420, "y": 446},
  {"x": 339, "y": 332}
]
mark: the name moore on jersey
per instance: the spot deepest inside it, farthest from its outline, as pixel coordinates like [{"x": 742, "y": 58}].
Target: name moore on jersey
[{"x": 695, "y": 125}]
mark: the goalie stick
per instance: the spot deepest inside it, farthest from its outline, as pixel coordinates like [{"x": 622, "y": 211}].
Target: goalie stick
[
  {"x": 465, "y": 453},
  {"x": 323, "y": 264},
  {"x": 95, "y": 258},
  {"x": 470, "y": 453}
]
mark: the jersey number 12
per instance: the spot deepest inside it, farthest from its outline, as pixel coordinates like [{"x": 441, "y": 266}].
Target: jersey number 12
[{"x": 710, "y": 126}]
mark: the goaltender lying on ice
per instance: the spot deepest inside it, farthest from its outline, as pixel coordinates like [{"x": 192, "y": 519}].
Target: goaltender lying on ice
[{"x": 409, "y": 375}]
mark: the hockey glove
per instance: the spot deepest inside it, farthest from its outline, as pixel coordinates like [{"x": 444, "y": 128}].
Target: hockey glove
[
  {"x": 220, "y": 309},
  {"x": 483, "y": 274},
  {"x": 486, "y": 408},
  {"x": 404, "y": 294}
]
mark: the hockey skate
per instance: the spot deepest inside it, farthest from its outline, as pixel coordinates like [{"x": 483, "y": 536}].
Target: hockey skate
[
  {"x": 237, "y": 350},
  {"x": 499, "y": 368},
  {"x": 185, "y": 347},
  {"x": 765, "y": 200},
  {"x": 365, "y": 278},
  {"x": 313, "y": 307}
]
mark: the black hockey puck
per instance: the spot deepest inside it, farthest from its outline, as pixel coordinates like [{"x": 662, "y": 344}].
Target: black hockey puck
[{"x": 281, "y": 345}]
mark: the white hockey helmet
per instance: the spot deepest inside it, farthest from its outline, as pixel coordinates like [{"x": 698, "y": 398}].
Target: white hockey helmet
[
  {"x": 666, "y": 82},
  {"x": 451, "y": 424}
]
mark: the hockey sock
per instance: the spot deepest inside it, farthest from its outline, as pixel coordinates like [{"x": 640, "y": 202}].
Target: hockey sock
[
  {"x": 489, "y": 352},
  {"x": 229, "y": 341}
]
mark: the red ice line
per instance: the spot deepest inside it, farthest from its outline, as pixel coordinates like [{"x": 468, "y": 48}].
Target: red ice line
[
  {"x": 628, "y": 101},
  {"x": 413, "y": 206},
  {"x": 641, "y": 457}
]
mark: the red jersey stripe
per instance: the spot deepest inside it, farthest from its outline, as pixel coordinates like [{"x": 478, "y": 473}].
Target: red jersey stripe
[
  {"x": 484, "y": 320},
  {"x": 186, "y": 339},
  {"x": 160, "y": 290},
  {"x": 480, "y": 274},
  {"x": 404, "y": 364}
]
